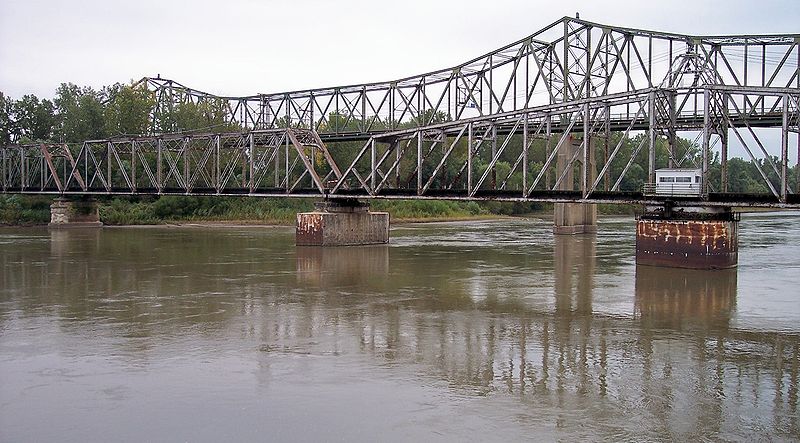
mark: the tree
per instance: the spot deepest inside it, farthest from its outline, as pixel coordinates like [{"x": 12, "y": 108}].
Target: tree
[
  {"x": 34, "y": 120},
  {"x": 8, "y": 132},
  {"x": 207, "y": 114},
  {"x": 128, "y": 109},
  {"x": 80, "y": 113}
]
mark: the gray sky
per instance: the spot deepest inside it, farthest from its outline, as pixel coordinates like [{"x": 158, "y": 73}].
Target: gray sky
[{"x": 243, "y": 47}]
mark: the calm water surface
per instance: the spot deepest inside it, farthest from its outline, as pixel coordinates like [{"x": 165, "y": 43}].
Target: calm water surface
[{"x": 481, "y": 331}]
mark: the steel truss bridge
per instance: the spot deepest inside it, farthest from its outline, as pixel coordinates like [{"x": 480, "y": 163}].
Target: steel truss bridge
[{"x": 543, "y": 119}]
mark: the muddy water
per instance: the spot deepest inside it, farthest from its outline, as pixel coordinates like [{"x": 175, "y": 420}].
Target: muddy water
[{"x": 481, "y": 331}]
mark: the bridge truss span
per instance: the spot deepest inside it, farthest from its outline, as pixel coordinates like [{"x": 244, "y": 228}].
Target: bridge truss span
[
  {"x": 567, "y": 60},
  {"x": 577, "y": 151},
  {"x": 567, "y": 114}
]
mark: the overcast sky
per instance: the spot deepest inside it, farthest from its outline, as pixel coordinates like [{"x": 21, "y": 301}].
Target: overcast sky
[{"x": 243, "y": 47}]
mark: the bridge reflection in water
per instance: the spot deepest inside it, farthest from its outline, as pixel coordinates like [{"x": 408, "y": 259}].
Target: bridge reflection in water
[{"x": 547, "y": 334}]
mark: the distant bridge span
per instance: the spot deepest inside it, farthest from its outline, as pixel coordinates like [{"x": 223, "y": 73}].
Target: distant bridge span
[{"x": 491, "y": 128}]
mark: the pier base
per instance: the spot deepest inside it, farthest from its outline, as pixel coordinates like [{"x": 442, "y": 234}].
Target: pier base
[
  {"x": 574, "y": 218},
  {"x": 342, "y": 223},
  {"x": 699, "y": 238},
  {"x": 74, "y": 213}
]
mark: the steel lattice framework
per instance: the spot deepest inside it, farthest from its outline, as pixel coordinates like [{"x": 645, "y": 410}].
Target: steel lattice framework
[{"x": 443, "y": 134}]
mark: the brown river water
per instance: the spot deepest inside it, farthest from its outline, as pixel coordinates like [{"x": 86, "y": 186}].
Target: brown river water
[{"x": 468, "y": 331}]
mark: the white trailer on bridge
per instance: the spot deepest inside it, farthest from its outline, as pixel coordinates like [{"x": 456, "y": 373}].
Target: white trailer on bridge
[{"x": 678, "y": 182}]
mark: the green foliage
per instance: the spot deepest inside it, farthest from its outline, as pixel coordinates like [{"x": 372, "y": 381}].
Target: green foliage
[
  {"x": 207, "y": 114},
  {"x": 80, "y": 111},
  {"x": 128, "y": 109},
  {"x": 128, "y": 211},
  {"x": 427, "y": 209},
  {"x": 34, "y": 119},
  {"x": 17, "y": 209},
  {"x": 7, "y": 132}
]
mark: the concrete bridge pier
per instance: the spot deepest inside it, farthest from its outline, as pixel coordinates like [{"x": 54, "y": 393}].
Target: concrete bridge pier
[
  {"x": 74, "y": 213},
  {"x": 342, "y": 222},
  {"x": 574, "y": 218},
  {"x": 688, "y": 237}
]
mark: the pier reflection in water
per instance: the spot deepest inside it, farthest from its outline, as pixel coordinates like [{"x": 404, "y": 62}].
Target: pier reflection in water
[{"x": 492, "y": 330}]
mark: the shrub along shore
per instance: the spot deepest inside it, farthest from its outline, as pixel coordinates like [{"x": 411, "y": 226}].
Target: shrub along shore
[{"x": 24, "y": 210}]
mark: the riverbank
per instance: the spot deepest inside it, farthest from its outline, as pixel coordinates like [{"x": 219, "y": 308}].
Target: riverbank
[{"x": 23, "y": 210}]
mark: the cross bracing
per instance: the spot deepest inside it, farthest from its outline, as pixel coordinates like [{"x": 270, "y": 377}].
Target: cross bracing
[
  {"x": 542, "y": 119},
  {"x": 567, "y": 60}
]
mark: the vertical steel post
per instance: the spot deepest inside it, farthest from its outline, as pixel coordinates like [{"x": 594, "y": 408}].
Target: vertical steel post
[
  {"x": 252, "y": 158},
  {"x": 187, "y": 164},
  {"x": 108, "y": 165},
  {"x": 133, "y": 166},
  {"x": 565, "y": 68},
  {"x": 311, "y": 102},
  {"x": 785, "y": 148},
  {"x": 398, "y": 156},
  {"x": 651, "y": 133},
  {"x": 217, "y": 180},
  {"x": 494, "y": 152},
  {"x": 277, "y": 161},
  {"x": 159, "y": 174},
  {"x": 286, "y": 157},
  {"x": 469, "y": 158},
  {"x": 606, "y": 141},
  {"x": 84, "y": 146},
  {"x": 363, "y": 109},
  {"x": 392, "y": 124},
  {"x": 585, "y": 169},
  {"x": 525, "y": 154},
  {"x": 373, "y": 172},
  {"x": 419, "y": 162},
  {"x": 673, "y": 135},
  {"x": 724, "y": 138},
  {"x": 588, "y": 79},
  {"x": 706, "y": 138},
  {"x": 547, "y": 148}
]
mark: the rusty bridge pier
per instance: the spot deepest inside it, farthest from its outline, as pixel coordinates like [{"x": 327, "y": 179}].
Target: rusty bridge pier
[
  {"x": 74, "y": 213},
  {"x": 688, "y": 237},
  {"x": 342, "y": 222}
]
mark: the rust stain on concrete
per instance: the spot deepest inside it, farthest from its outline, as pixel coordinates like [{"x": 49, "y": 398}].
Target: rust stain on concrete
[{"x": 701, "y": 244}]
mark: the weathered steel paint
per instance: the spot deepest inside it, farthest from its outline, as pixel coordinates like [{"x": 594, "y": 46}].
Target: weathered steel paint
[{"x": 696, "y": 244}]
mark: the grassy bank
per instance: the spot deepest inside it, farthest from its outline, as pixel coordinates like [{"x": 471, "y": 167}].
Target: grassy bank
[{"x": 147, "y": 210}]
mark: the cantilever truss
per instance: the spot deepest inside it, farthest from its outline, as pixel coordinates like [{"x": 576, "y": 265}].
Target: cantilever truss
[
  {"x": 542, "y": 119},
  {"x": 567, "y": 60}
]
